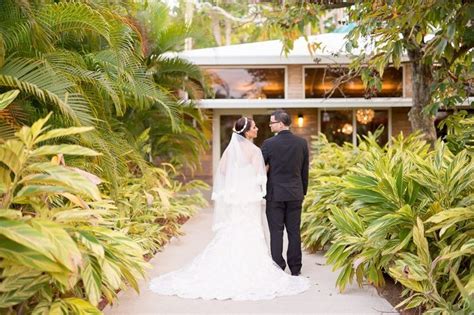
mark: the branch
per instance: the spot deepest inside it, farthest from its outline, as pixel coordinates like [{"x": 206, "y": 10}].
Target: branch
[
  {"x": 253, "y": 16},
  {"x": 333, "y": 4}
]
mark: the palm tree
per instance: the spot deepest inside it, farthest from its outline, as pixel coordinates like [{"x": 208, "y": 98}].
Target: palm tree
[
  {"x": 183, "y": 142},
  {"x": 86, "y": 63}
]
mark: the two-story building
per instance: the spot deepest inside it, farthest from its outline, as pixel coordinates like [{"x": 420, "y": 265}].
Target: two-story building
[{"x": 254, "y": 79}]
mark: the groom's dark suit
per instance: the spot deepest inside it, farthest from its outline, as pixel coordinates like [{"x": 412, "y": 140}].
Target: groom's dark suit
[{"x": 288, "y": 161}]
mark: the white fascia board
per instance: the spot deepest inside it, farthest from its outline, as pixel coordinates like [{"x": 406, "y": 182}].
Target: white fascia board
[
  {"x": 225, "y": 60},
  {"x": 209, "y": 61},
  {"x": 306, "y": 103}
]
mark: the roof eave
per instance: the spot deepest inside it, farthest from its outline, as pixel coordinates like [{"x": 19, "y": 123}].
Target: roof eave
[{"x": 270, "y": 60}]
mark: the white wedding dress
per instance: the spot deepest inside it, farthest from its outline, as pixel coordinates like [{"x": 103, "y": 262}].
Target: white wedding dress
[{"x": 236, "y": 264}]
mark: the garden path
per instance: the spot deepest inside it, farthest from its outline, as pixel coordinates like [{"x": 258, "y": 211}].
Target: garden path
[{"x": 322, "y": 298}]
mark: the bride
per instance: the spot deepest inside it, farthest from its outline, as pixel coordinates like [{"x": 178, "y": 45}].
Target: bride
[{"x": 236, "y": 264}]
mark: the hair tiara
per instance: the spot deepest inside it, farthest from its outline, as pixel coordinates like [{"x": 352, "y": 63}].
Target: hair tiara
[{"x": 243, "y": 128}]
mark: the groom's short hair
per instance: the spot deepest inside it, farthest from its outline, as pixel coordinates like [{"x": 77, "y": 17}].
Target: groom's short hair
[{"x": 281, "y": 115}]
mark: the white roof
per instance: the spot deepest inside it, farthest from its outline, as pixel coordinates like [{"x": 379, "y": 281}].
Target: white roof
[
  {"x": 268, "y": 52},
  {"x": 331, "y": 50}
]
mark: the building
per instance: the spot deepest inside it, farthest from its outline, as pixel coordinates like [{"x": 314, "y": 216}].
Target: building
[{"x": 254, "y": 79}]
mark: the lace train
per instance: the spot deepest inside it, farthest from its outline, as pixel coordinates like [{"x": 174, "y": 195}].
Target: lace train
[{"x": 235, "y": 265}]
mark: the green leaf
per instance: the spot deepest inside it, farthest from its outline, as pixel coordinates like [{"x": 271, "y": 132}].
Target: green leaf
[
  {"x": 35, "y": 190},
  {"x": 37, "y": 128},
  {"x": 28, "y": 257},
  {"x": 366, "y": 195},
  {"x": 10, "y": 214},
  {"x": 7, "y": 98},
  {"x": 345, "y": 277},
  {"x": 26, "y": 235},
  {"x": 91, "y": 275},
  {"x": 10, "y": 159},
  {"x": 62, "y": 132},
  {"x": 65, "y": 249},
  {"x": 462, "y": 289},
  {"x": 111, "y": 274},
  {"x": 61, "y": 176},
  {"x": 449, "y": 217},
  {"x": 418, "y": 37},
  {"x": 421, "y": 242},
  {"x": 25, "y": 288},
  {"x": 64, "y": 149},
  {"x": 81, "y": 307}
]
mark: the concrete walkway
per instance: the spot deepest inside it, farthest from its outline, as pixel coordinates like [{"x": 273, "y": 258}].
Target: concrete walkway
[{"x": 322, "y": 298}]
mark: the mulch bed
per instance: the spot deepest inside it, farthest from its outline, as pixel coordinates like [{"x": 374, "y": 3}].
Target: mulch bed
[{"x": 392, "y": 292}]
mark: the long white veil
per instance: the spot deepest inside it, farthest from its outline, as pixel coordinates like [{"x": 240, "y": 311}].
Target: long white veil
[{"x": 240, "y": 179}]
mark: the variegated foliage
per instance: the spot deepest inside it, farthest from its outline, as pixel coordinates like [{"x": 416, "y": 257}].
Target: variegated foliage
[
  {"x": 64, "y": 245},
  {"x": 407, "y": 211}
]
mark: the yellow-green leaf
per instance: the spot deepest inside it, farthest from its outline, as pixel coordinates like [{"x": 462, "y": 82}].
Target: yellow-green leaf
[
  {"x": 421, "y": 242},
  {"x": 70, "y": 149},
  {"x": 7, "y": 98},
  {"x": 62, "y": 132},
  {"x": 65, "y": 249}
]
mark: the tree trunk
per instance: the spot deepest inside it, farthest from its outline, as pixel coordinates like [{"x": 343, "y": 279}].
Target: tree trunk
[
  {"x": 228, "y": 31},
  {"x": 422, "y": 80},
  {"x": 188, "y": 18},
  {"x": 216, "y": 29}
]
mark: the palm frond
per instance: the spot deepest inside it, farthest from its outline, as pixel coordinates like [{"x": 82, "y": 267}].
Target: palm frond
[
  {"x": 34, "y": 78},
  {"x": 162, "y": 66},
  {"x": 172, "y": 38},
  {"x": 72, "y": 16}
]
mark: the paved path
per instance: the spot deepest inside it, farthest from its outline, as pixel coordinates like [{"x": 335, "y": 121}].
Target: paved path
[{"x": 322, "y": 298}]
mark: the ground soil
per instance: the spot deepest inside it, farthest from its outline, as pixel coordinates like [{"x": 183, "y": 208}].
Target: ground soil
[{"x": 392, "y": 292}]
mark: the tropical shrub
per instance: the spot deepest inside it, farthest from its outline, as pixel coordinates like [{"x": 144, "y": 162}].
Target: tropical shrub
[
  {"x": 64, "y": 244},
  {"x": 408, "y": 213},
  {"x": 326, "y": 185},
  {"x": 71, "y": 237},
  {"x": 460, "y": 133},
  {"x": 153, "y": 207},
  {"x": 330, "y": 162},
  {"x": 59, "y": 250}
]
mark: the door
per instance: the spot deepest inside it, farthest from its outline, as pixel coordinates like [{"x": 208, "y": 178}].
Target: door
[
  {"x": 264, "y": 132},
  {"x": 226, "y": 125}
]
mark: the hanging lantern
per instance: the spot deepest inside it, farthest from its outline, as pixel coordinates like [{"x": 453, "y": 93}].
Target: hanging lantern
[
  {"x": 326, "y": 117},
  {"x": 365, "y": 115}
]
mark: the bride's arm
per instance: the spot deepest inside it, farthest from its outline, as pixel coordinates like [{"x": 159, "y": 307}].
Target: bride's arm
[{"x": 261, "y": 171}]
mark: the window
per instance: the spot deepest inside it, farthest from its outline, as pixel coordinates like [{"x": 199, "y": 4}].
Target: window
[
  {"x": 339, "y": 125},
  {"x": 320, "y": 81},
  {"x": 368, "y": 120},
  {"x": 247, "y": 83}
]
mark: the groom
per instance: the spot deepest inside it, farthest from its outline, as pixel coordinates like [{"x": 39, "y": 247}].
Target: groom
[{"x": 286, "y": 157}]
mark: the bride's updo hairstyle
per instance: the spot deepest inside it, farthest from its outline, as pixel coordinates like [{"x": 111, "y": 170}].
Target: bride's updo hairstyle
[{"x": 242, "y": 125}]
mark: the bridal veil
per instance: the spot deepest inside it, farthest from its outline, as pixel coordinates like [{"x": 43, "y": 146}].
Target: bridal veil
[{"x": 240, "y": 179}]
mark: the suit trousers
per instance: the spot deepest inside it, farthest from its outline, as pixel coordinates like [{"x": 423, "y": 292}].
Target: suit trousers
[{"x": 281, "y": 215}]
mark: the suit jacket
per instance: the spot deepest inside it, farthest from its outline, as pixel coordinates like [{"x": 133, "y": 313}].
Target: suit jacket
[{"x": 288, "y": 160}]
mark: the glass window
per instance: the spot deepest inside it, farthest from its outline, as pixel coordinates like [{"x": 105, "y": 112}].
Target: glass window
[
  {"x": 320, "y": 81},
  {"x": 247, "y": 83},
  {"x": 338, "y": 125},
  {"x": 368, "y": 120}
]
